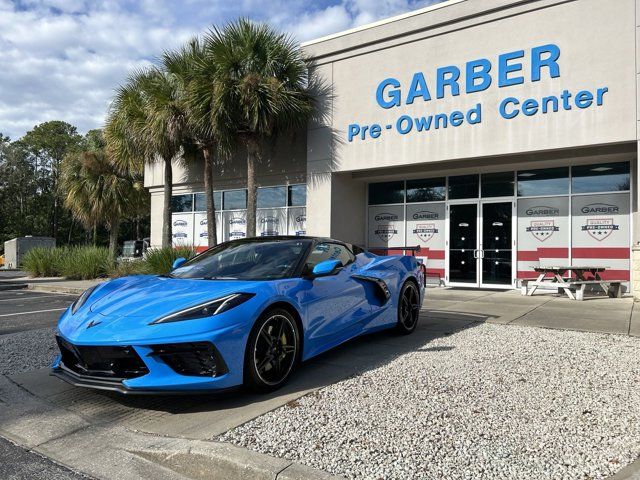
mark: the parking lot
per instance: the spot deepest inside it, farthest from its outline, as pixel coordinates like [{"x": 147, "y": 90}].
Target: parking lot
[{"x": 478, "y": 391}]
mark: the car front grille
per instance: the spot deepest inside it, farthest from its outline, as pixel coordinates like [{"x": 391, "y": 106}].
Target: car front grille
[
  {"x": 199, "y": 359},
  {"x": 102, "y": 361}
]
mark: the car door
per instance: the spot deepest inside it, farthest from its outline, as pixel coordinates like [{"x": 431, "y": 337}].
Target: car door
[{"x": 335, "y": 304}]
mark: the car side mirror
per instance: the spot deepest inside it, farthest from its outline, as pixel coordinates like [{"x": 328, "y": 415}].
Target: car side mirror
[
  {"x": 178, "y": 262},
  {"x": 326, "y": 268}
]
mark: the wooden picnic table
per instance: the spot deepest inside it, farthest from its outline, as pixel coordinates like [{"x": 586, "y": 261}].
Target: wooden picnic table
[{"x": 573, "y": 287}]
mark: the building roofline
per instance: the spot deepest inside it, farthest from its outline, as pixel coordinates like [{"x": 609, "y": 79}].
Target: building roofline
[{"x": 384, "y": 21}]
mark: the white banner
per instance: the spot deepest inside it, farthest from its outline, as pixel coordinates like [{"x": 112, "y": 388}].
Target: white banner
[
  {"x": 201, "y": 237},
  {"x": 543, "y": 232},
  {"x": 297, "y": 221},
  {"x": 235, "y": 225},
  {"x": 601, "y": 221},
  {"x": 386, "y": 226},
  {"x": 182, "y": 229},
  {"x": 271, "y": 222}
]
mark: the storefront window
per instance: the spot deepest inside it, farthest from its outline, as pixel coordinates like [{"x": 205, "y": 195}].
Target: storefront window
[
  {"x": 463, "y": 186},
  {"x": 604, "y": 177},
  {"x": 297, "y": 195},
  {"x": 546, "y": 181},
  {"x": 272, "y": 197},
  {"x": 497, "y": 184},
  {"x": 235, "y": 199},
  {"x": 386, "y": 192},
  {"x": 181, "y": 203},
  {"x": 201, "y": 201},
  {"x": 426, "y": 190}
]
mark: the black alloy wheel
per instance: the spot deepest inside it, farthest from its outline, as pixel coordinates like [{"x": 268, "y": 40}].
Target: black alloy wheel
[
  {"x": 408, "y": 308},
  {"x": 272, "y": 351}
]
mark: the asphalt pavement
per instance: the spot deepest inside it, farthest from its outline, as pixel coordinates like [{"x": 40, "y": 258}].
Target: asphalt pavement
[{"x": 23, "y": 313}]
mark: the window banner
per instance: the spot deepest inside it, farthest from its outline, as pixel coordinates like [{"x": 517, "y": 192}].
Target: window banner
[
  {"x": 201, "y": 237},
  {"x": 182, "y": 229},
  {"x": 297, "y": 221},
  {"x": 386, "y": 227},
  {"x": 426, "y": 228},
  {"x": 600, "y": 233},
  {"x": 543, "y": 233},
  {"x": 235, "y": 224},
  {"x": 271, "y": 222}
]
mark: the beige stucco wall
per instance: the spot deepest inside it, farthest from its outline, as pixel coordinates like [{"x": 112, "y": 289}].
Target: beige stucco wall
[{"x": 598, "y": 47}]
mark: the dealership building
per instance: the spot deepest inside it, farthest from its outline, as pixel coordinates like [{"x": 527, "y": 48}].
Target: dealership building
[{"x": 497, "y": 135}]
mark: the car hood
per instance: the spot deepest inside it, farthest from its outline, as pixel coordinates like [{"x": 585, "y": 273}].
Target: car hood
[{"x": 153, "y": 297}]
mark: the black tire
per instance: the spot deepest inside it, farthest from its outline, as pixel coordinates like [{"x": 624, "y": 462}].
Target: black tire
[
  {"x": 408, "y": 308},
  {"x": 272, "y": 351}
]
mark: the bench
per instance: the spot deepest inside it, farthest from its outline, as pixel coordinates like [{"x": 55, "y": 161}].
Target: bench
[
  {"x": 524, "y": 285},
  {"x": 613, "y": 288}
]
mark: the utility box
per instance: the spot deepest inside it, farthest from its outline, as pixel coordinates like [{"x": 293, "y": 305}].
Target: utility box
[{"x": 15, "y": 248}]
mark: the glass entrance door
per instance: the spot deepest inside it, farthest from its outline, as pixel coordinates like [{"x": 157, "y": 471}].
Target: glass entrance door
[
  {"x": 496, "y": 244},
  {"x": 480, "y": 244},
  {"x": 463, "y": 244}
]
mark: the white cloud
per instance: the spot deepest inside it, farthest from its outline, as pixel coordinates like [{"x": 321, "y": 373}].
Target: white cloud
[{"x": 62, "y": 59}]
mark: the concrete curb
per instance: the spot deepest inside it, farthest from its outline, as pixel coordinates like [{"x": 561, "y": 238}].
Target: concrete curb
[
  {"x": 52, "y": 288},
  {"x": 12, "y": 286},
  {"x": 197, "y": 459}
]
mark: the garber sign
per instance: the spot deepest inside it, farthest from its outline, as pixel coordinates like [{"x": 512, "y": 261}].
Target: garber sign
[{"x": 474, "y": 76}]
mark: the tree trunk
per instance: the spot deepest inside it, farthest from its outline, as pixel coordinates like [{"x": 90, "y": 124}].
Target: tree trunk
[
  {"x": 253, "y": 156},
  {"x": 73, "y": 220},
  {"x": 208, "y": 193},
  {"x": 114, "y": 228},
  {"x": 166, "y": 209},
  {"x": 95, "y": 234}
]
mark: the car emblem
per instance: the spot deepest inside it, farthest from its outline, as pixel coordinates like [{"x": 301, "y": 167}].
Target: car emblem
[{"x": 93, "y": 323}]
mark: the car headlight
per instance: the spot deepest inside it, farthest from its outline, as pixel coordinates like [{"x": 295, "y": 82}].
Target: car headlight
[
  {"x": 82, "y": 299},
  {"x": 207, "y": 309}
]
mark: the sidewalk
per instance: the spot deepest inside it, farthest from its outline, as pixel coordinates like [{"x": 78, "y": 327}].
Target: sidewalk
[{"x": 49, "y": 284}]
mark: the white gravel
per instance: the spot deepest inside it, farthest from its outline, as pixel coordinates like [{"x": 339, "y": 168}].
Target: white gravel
[
  {"x": 487, "y": 402},
  {"x": 25, "y": 351}
]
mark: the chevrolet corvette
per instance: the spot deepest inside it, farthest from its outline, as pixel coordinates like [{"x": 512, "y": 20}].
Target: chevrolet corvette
[{"x": 244, "y": 312}]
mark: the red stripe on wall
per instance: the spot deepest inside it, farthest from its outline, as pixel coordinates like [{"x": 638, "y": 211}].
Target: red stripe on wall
[
  {"x": 602, "y": 252},
  {"x": 431, "y": 254},
  {"x": 534, "y": 255},
  {"x": 201, "y": 249}
]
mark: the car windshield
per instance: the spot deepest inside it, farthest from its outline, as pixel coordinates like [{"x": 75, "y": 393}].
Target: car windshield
[{"x": 242, "y": 260}]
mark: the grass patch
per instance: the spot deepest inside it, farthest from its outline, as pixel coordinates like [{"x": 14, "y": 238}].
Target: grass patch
[{"x": 159, "y": 260}]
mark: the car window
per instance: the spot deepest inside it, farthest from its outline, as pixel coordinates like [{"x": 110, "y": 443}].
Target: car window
[
  {"x": 329, "y": 251},
  {"x": 242, "y": 260}
]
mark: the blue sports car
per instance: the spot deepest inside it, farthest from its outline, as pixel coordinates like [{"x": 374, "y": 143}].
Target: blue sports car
[{"x": 243, "y": 312}]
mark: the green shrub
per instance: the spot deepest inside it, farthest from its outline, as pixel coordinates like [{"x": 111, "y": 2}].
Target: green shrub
[
  {"x": 44, "y": 262},
  {"x": 85, "y": 263},
  {"x": 126, "y": 268},
  {"x": 159, "y": 260}
]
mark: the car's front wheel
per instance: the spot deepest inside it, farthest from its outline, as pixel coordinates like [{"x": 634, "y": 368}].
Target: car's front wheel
[
  {"x": 408, "y": 308},
  {"x": 272, "y": 350}
]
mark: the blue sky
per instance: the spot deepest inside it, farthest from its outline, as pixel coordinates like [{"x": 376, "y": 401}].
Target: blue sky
[{"x": 62, "y": 59}]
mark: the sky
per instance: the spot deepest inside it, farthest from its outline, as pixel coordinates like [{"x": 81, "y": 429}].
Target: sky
[{"x": 63, "y": 59}]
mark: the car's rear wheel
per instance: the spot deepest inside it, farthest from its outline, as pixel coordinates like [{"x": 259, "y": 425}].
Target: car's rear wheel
[
  {"x": 272, "y": 350},
  {"x": 408, "y": 308}
]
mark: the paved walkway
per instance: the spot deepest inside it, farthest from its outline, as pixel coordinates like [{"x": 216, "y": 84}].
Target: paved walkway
[{"x": 456, "y": 307}]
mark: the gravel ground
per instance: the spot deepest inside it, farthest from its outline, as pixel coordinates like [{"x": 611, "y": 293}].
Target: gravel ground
[
  {"x": 25, "y": 351},
  {"x": 487, "y": 402}
]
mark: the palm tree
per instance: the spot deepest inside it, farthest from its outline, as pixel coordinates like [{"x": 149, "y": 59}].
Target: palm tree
[
  {"x": 194, "y": 68},
  {"x": 96, "y": 191},
  {"x": 260, "y": 90},
  {"x": 147, "y": 123}
]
